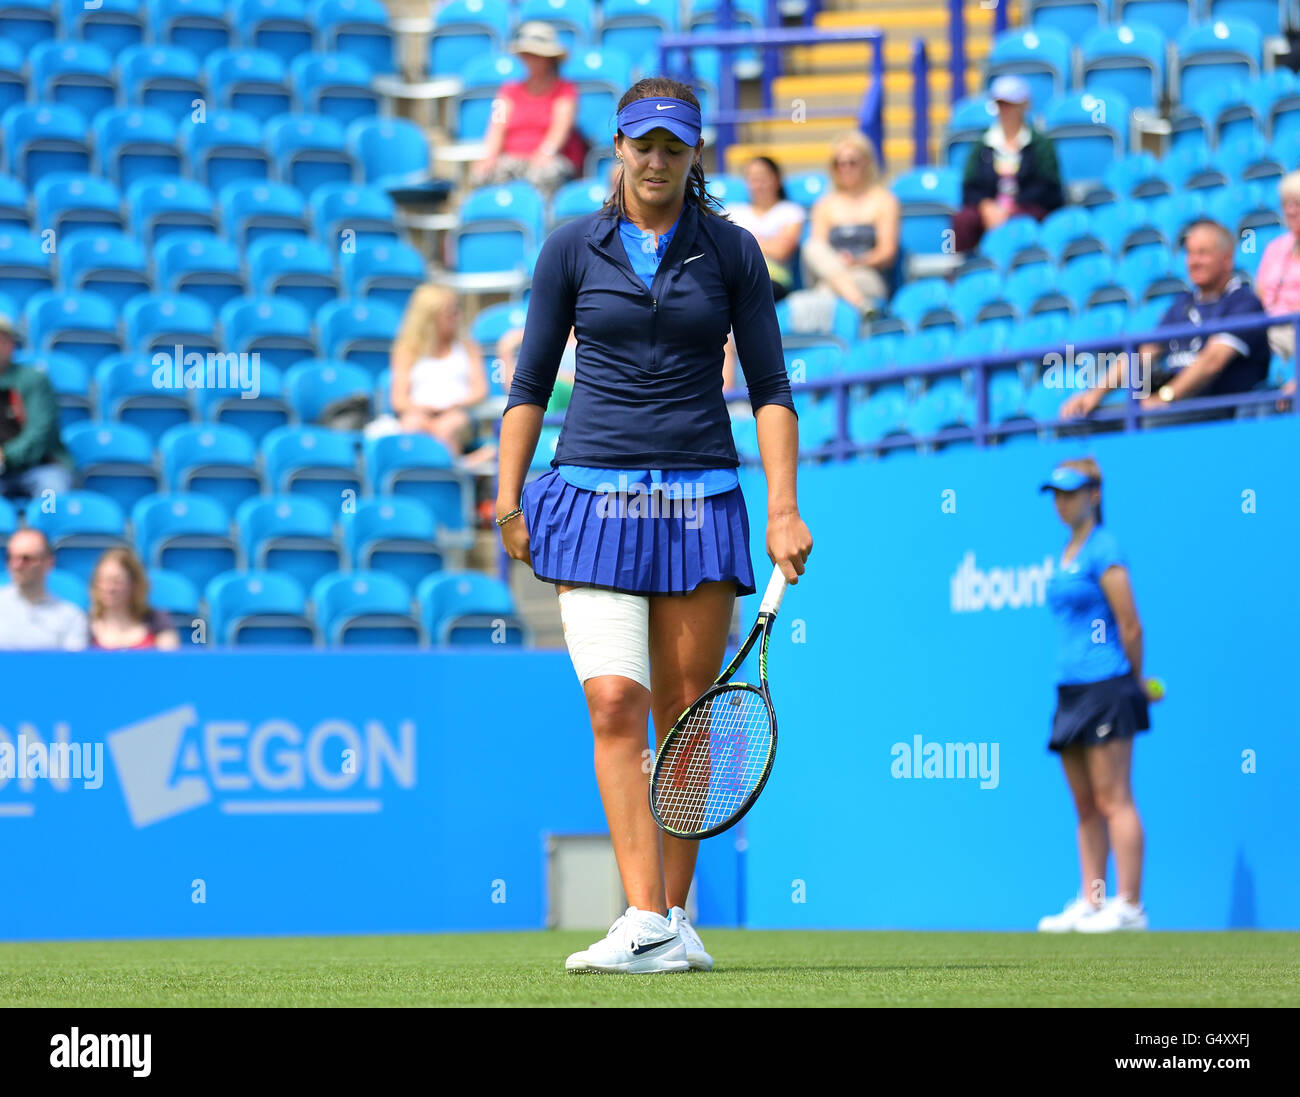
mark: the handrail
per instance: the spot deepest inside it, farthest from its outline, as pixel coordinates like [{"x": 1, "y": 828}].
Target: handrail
[
  {"x": 725, "y": 116},
  {"x": 957, "y": 49},
  {"x": 920, "y": 104}
]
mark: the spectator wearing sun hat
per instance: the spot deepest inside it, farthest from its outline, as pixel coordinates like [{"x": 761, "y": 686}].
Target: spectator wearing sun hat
[
  {"x": 32, "y": 455},
  {"x": 1013, "y": 170},
  {"x": 532, "y": 134}
]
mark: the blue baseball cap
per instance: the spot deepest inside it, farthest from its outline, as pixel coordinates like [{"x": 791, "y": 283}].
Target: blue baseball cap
[
  {"x": 1066, "y": 479},
  {"x": 678, "y": 117}
]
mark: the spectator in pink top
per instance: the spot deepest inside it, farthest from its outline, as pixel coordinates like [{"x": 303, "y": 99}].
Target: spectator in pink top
[
  {"x": 532, "y": 134},
  {"x": 1278, "y": 279}
]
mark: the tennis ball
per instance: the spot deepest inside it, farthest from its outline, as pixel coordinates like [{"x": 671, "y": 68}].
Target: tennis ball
[{"x": 1155, "y": 689}]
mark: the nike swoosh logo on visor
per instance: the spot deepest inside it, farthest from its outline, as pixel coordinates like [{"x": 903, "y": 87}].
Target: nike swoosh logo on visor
[
  {"x": 653, "y": 946},
  {"x": 662, "y": 106}
]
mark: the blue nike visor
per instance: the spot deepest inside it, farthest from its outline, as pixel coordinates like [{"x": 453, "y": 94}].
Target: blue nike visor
[{"x": 677, "y": 116}]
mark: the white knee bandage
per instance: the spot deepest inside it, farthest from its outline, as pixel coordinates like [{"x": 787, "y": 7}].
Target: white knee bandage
[{"x": 607, "y": 633}]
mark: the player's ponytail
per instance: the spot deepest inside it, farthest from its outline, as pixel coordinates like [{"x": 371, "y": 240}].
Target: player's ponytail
[{"x": 655, "y": 87}]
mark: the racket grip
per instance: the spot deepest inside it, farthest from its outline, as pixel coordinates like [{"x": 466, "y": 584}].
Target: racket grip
[{"x": 775, "y": 591}]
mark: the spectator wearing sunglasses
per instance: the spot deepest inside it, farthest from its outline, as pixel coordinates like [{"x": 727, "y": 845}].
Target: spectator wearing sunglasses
[{"x": 31, "y": 618}]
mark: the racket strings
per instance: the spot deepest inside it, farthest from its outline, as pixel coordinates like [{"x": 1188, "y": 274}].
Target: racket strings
[{"x": 715, "y": 761}]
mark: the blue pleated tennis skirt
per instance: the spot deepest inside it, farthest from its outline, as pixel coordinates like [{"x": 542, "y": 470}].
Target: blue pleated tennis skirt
[
  {"x": 620, "y": 542},
  {"x": 1091, "y": 713}
]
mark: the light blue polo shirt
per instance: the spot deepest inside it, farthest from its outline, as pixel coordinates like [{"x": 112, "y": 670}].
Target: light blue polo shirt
[
  {"x": 699, "y": 482},
  {"x": 1089, "y": 649}
]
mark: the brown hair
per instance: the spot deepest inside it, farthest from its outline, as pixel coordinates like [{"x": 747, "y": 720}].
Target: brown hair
[
  {"x": 139, "y": 583},
  {"x": 1088, "y": 467},
  {"x": 655, "y": 87}
]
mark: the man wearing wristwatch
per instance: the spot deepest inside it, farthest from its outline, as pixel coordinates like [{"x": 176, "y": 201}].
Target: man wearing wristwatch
[{"x": 1215, "y": 364}]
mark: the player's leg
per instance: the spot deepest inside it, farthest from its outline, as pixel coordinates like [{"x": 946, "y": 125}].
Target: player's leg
[
  {"x": 688, "y": 642},
  {"x": 1109, "y": 766},
  {"x": 607, "y": 637},
  {"x": 1092, "y": 846}
]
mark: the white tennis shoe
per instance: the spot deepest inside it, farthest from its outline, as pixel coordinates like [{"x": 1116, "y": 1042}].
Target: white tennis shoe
[
  {"x": 1116, "y": 916},
  {"x": 695, "y": 954},
  {"x": 1075, "y": 911},
  {"x": 640, "y": 942}
]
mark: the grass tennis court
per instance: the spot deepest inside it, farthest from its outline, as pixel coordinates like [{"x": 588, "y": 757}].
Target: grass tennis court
[{"x": 753, "y": 968}]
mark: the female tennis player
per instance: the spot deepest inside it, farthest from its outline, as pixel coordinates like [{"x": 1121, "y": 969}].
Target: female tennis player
[
  {"x": 640, "y": 522},
  {"x": 1101, "y": 704}
]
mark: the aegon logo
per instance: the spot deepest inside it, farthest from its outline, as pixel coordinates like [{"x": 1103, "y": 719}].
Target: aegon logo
[
  {"x": 172, "y": 763},
  {"x": 972, "y": 589}
]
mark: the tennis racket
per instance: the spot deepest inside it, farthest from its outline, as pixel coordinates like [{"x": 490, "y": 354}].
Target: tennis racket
[{"x": 715, "y": 761}]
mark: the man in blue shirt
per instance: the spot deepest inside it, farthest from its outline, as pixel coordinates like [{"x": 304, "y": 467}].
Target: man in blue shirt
[{"x": 1216, "y": 364}]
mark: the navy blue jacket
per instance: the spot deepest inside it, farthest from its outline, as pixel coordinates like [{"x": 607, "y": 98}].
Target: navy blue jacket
[
  {"x": 1249, "y": 367},
  {"x": 647, "y": 391}
]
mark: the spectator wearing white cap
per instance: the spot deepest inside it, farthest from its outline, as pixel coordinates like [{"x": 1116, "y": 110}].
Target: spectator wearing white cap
[
  {"x": 1013, "y": 170},
  {"x": 33, "y": 459},
  {"x": 532, "y": 134}
]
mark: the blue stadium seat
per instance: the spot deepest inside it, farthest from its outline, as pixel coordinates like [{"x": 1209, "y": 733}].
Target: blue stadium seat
[
  {"x": 1043, "y": 401},
  {"x": 1090, "y": 132},
  {"x": 293, "y": 534},
  {"x": 275, "y": 328},
  {"x": 1169, "y": 16},
  {"x": 601, "y": 76},
  {"x": 1006, "y": 397},
  {"x": 224, "y": 147},
  {"x": 335, "y": 85},
  {"x": 419, "y": 467},
  {"x": 806, "y": 187},
  {"x": 882, "y": 414},
  {"x": 199, "y": 26},
  {"x": 313, "y": 461},
  {"x": 27, "y": 22},
  {"x": 1284, "y": 118},
  {"x": 251, "y": 81},
  {"x": 365, "y": 608},
  {"x": 173, "y": 594},
  {"x": 114, "y": 25},
  {"x": 389, "y": 152},
  {"x": 132, "y": 143},
  {"x": 928, "y": 198},
  {"x": 210, "y": 459},
  {"x": 1254, "y": 157},
  {"x": 187, "y": 534},
  {"x": 1193, "y": 167},
  {"x": 25, "y": 268},
  {"x": 313, "y": 385},
  {"x": 69, "y": 202},
  {"x": 80, "y": 525},
  {"x": 576, "y": 198},
  {"x": 43, "y": 138},
  {"x": 1040, "y": 56},
  {"x": 1090, "y": 280},
  {"x": 282, "y": 27},
  {"x": 481, "y": 79},
  {"x": 971, "y": 117},
  {"x": 160, "y": 208},
  {"x": 1013, "y": 241},
  {"x": 394, "y": 535},
  {"x": 1136, "y": 175},
  {"x": 250, "y": 399},
  {"x": 1128, "y": 60},
  {"x": 730, "y": 190},
  {"x": 926, "y": 348},
  {"x": 877, "y": 352},
  {"x": 1148, "y": 275},
  {"x": 83, "y": 325},
  {"x": 161, "y": 78},
  {"x": 73, "y": 74},
  {"x": 263, "y": 608},
  {"x": 254, "y": 209},
  {"x": 1215, "y": 53},
  {"x": 1270, "y": 16},
  {"x": 842, "y": 322},
  {"x": 545, "y": 451},
  {"x": 1073, "y": 18},
  {"x": 109, "y": 264},
  {"x": 114, "y": 460},
  {"x": 922, "y": 303},
  {"x": 1103, "y": 320},
  {"x": 367, "y": 213},
  {"x": 386, "y": 272},
  {"x": 978, "y": 295},
  {"x": 469, "y": 608},
  {"x": 360, "y": 332},
  {"x": 948, "y": 403},
  {"x": 356, "y": 29},
  {"x": 293, "y": 268},
  {"x": 309, "y": 149},
  {"x": 633, "y": 27},
  {"x": 14, "y": 215},
  {"x": 494, "y": 321},
  {"x": 1031, "y": 291},
  {"x": 200, "y": 266},
  {"x": 126, "y": 392},
  {"x": 1067, "y": 232},
  {"x": 464, "y": 30},
  {"x": 71, "y": 382},
  {"x": 13, "y": 80},
  {"x": 500, "y": 228}
]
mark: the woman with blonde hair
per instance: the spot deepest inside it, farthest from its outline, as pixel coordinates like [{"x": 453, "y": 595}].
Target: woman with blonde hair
[
  {"x": 120, "y": 617},
  {"x": 437, "y": 376},
  {"x": 853, "y": 242}
]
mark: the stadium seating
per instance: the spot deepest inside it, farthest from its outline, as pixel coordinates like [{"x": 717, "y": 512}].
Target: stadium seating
[
  {"x": 80, "y": 525},
  {"x": 395, "y": 535},
  {"x": 1042, "y": 56},
  {"x": 210, "y": 459},
  {"x": 263, "y": 608},
  {"x": 200, "y": 26},
  {"x": 312, "y": 461},
  {"x": 291, "y": 534},
  {"x": 464, "y": 30},
  {"x": 417, "y": 466},
  {"x": 114, "y": 460},
  {"x": 161, "y": 78},
  {"x": 469, "y": 608},
  {"x": 356, "y": 29},
  {"x": 185, "y": 533},
  {"x": 365, "y": 608}
]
